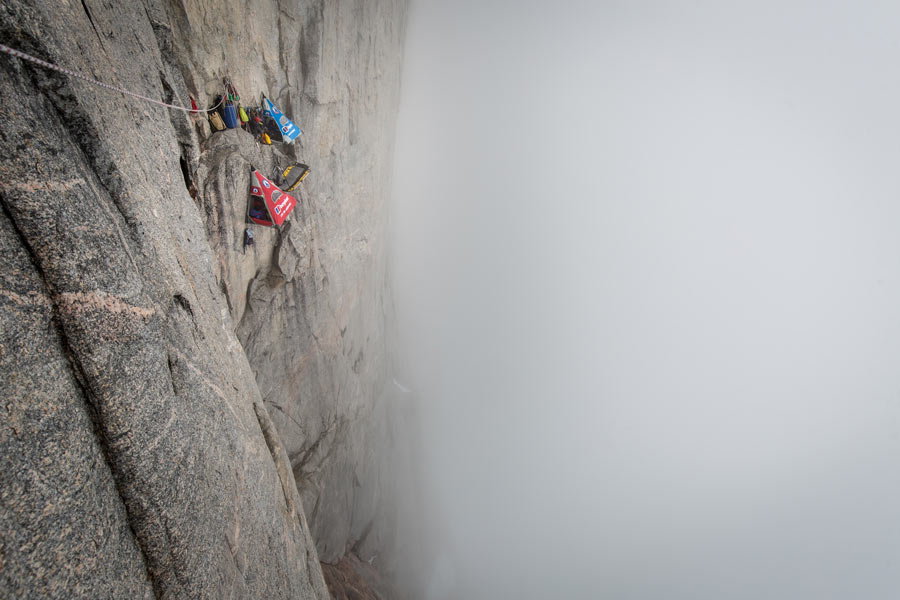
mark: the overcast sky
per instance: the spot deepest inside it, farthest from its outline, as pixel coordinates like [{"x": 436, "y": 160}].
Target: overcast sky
[{"x": 647, "y": 269}]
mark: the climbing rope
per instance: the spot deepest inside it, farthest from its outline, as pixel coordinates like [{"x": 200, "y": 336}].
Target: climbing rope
[{"x": 51, "y": 66}]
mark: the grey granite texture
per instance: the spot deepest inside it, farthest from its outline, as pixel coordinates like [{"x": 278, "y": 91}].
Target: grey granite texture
[{"x": 170, "y": 404}]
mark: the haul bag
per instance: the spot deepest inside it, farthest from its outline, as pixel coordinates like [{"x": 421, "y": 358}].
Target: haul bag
[
  {"x": 216, "y": 121},
  {"x": 229, "y": 114}
]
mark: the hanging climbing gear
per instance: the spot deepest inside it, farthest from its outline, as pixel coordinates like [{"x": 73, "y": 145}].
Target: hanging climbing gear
[
  {"x": 231, "y": 90},
  {"x": 229, "y": 109},
  {"x": 229, "y": 114},
  {"x": 248, "y": 239},
  {"x": 254, "y": 124},
  {"x": 271, "y": 128},
  {"x": 215, "y": 120}
]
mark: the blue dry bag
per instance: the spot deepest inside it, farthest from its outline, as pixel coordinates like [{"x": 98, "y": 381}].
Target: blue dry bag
[{"x": 230, "y": 115}]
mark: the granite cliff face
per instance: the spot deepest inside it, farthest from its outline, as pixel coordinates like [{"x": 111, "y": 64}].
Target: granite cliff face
[{"x": 182, "y": 419}]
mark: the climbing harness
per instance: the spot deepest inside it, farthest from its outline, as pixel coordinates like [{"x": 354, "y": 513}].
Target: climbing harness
[
  {"x": 53, "y": 67},
  {"x": 215, "y": 119}
]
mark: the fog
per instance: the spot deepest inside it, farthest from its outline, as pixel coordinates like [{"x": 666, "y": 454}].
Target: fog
[{"x": 645, "y": 259}]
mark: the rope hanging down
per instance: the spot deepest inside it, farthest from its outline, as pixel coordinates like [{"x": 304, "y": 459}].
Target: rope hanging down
[{"x": 51, "y": 66}]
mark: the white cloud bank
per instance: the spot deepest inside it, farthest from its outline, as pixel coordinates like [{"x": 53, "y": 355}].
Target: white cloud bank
[{"x": 647, "y": 266}]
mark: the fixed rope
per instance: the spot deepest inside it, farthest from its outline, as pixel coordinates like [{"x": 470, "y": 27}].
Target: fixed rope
[{"x": 52, "y": 67}]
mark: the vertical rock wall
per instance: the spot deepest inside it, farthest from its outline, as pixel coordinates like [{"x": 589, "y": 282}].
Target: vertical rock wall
[
  {"x": 139, "y": 455},
  {"x": 311, "y": 301}
]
